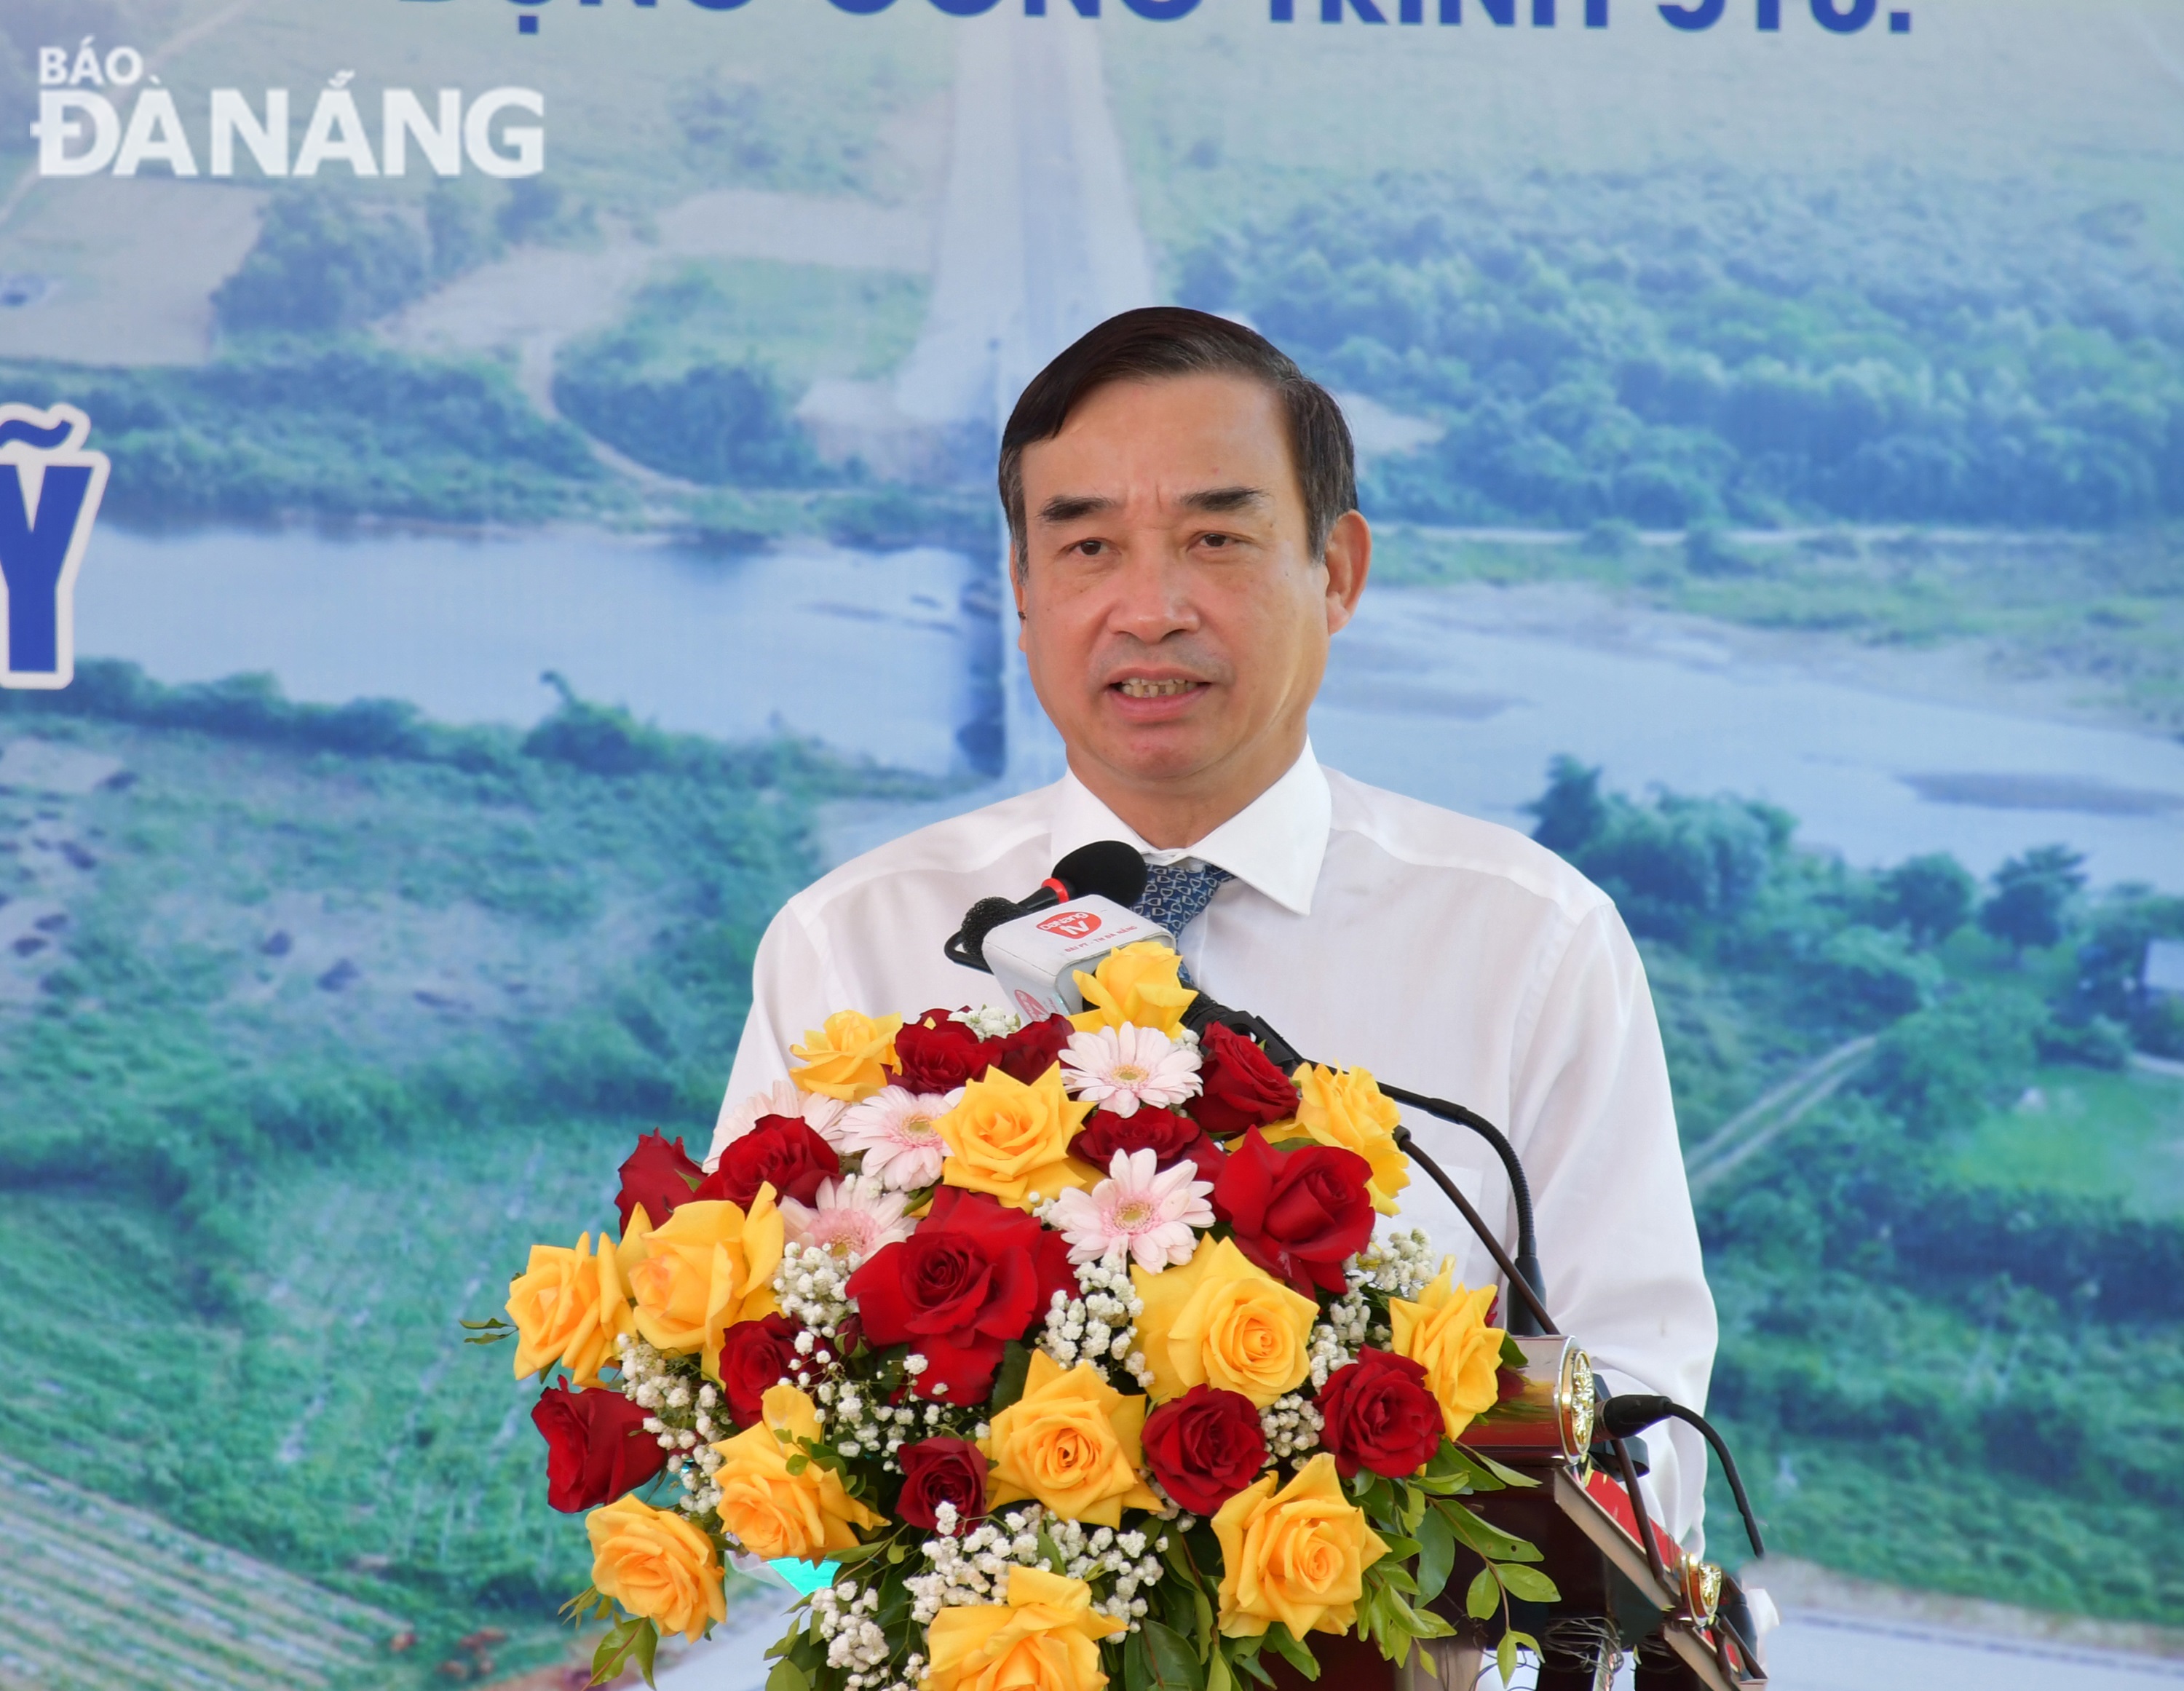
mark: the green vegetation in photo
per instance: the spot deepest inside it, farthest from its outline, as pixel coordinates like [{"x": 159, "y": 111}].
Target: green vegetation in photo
[
  {"x": 326, "y": 430},
  {"x": 1952, "y": 1338},
  {"x": 700, "y": 380},
  {"x": 318, "y": 1017},
  {"x": 1667, "y": 351}
]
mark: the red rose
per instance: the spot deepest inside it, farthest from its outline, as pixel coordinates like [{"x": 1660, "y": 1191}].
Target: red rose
[
  {"x": 659, "y": 1176},
  {"x": 1204, "y": 1447},
  {"x": 1169, "y": 1136},
  {"x": 938, "y": 1471},
  {"x": 782, "y": 1149},
  {"x": 936, "y": 1055},
  {"x": 972, "y": 1277},
  {"x": 1034, "y": 1047},
  {"x": 1379, "y": 1415},
  {"x": 754, "y": 1356},
  {"x": 596, "y": 1446},
  {"x": 1299, "y": 1214},
  {"x": 1238, "y": 1087}
]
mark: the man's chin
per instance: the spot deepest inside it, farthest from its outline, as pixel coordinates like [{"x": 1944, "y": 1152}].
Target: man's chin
[{"x": 1156, "y": 753}]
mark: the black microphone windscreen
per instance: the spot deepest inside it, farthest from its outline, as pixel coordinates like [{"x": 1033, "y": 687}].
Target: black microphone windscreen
[{"x": 1107, "y": 869}]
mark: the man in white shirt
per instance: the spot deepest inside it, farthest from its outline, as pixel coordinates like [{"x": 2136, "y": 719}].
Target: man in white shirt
[{"x": 1185, "y": 543}]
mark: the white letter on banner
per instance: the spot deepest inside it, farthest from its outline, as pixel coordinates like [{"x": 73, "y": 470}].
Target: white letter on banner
[
  {"x": 155, "y": 137},
  {"x": 55, "y": 129},
  {"x": 232, "y": 116},
  {"x": 125, "y": 67},
  {"x": 53, "y": 67},
  {"x": 86, "y": 69},
  {"x": 403, "y": 115},
  {"x": 336, "y": 132},
  {"x": 526, "y": 142}
]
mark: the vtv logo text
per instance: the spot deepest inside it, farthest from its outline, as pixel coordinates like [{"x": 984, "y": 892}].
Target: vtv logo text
[{"x": 50, "y": 486}]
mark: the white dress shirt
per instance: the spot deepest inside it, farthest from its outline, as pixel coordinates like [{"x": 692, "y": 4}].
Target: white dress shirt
[{"x": 1448, "y": 956}]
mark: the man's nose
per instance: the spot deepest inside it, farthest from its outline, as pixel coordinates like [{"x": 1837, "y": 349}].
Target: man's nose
[{"x": 1152, "y": 597}]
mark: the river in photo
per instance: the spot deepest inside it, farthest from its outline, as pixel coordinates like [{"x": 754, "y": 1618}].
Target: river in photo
[
  {"x": 890, "y": 654},
  {"x": 1428, "y": 696},
  {"x": 873, "y": 652}
]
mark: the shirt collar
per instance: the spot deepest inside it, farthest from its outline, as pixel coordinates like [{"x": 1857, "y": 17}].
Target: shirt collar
[{"x": 1275, "y": 844}]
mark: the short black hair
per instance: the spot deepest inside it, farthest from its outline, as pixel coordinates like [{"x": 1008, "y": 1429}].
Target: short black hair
[{"x": 1160, "y": 341}]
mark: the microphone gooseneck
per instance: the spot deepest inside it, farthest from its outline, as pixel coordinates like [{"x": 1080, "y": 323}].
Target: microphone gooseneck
[{"x": 1527, "y": 1313}]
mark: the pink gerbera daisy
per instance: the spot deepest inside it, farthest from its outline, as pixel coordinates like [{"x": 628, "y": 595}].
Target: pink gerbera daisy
[
  {"x": 1120, "y": 1068},
  {"x": 855, "y": 1216},
  {"x": 894, "y": 1128},
  {"x": 1137, "y": 1211},
  {"x": 824, "y": 1116}
]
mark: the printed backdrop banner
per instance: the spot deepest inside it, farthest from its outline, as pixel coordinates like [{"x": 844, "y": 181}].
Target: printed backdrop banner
[{"x": 496, "y": 494}]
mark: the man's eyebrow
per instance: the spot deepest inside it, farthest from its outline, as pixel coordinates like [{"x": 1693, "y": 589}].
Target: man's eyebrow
[
  {"x": 1069, "y": 507},
  {"x": 1215, "y": 500}
]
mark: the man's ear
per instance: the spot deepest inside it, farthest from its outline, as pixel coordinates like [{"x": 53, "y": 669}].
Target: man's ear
[
  {"x": 1018, "y": 586},
  {"x": 1348, "y": 560}
]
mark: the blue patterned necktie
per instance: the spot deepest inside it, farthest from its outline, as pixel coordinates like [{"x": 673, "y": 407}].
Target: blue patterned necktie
[{"x": 1175, "y": 896}]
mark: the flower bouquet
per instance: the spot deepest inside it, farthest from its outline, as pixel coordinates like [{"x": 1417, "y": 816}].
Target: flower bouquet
[{"x": 1069, "y": 1349}]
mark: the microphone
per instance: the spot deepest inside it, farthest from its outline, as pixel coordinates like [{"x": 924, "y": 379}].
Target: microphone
[{"x": 1106, "y": 869}]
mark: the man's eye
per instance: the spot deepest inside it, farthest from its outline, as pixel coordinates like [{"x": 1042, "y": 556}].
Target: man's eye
[
  {"x": 1091, "y": 548},
  {"x": 1216, "y": 540}
]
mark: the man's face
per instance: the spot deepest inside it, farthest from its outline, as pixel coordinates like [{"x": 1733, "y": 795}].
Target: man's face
[{"x": 1175, "y": 622}]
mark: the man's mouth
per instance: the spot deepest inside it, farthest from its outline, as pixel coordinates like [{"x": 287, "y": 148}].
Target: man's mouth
[{"x": 1143, "y": 689}]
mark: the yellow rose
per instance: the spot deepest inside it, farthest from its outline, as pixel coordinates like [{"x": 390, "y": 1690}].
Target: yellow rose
[
  {"x": 1071, "y": 1442},
  {"x": 1136, "y": 984},
  {"x": 657, "y": 1564},
  {"x": 848, "y": 1057},
  {"x": 568, "y": 1305},
  {"x": 1297, "y": 1555},
  {"x": 1446, "y": 1333},
  {"x": 1345, "y": 1107},
  {"x": 1046, "y": 1638},
  {"x": 1221, "y": 1320},
  {"x": 772, "y": 1512},
  {"x": 1008, "y": 1139},
  {"x": 707, "y": 1267}
]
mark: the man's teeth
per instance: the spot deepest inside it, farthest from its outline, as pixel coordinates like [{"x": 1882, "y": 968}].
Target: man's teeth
[{"x": 1137, "y": 689}]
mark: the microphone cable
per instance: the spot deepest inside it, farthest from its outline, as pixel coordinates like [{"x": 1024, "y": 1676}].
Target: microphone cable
[{"x": 1630, "y": 1412}]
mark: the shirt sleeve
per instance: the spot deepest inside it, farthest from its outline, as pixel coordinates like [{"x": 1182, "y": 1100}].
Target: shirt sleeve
[
  {"x": 788, "y": 977},
  {"x": 1595, "y": 1128}
]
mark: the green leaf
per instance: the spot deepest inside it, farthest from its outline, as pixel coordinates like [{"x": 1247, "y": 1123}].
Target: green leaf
[
  {"x": 496, "y": 1325},
  {"x": 1172, "y": 1663},
  {"x": 798, "y": 1463},
  {"x": 1491, "y": 1542},
  {"x": 1436, "y": 1555},
  {"x": 1508, "y": 1477},
  {"x": 1484, "y": 1597},
  {"x": 1401, "y": 1549},
  {"x": 1528, "y": 1584},
  {"x": 1009, "y": 1377},
  {"x": 1218, "y": 1676},
  {"x": 1414, "y": 1509},
  {"x": 1286, "y": 1646},
  {"x": 1249, "y": 1662},
  {"x": 1204, "y": 1615},
  {"x": 634, "y": 1637},
  {"x": 1513, "y": 1356},
  {"x": 1505, "y": 1656},
  {"x": 644, "y": 1648},
  {"x": 857, "y": 1553}
]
